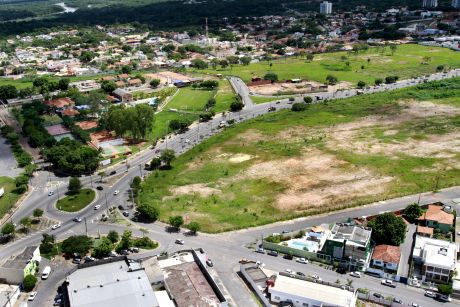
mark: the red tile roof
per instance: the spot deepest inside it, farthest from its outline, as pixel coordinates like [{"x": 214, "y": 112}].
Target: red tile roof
[
  {"x": 426, "y": 230},
  {"x": 387, "y": 253},
  {"x": 86, "y": 125},
  {"x": 60, "y": 102},
  {"x": 70, "y": 112},
  {"x": 436, "y": 213}
]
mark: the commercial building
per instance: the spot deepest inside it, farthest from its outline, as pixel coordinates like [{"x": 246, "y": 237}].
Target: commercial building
[
  {"x": 436, "y": 258},
  {"x": 303, "y": 293},
  {"x": 325, "y": 7},
  {"x": 386, "y": 257},
  {"x": 14, "y": 269},
  {"x": 430, "y": 3}
]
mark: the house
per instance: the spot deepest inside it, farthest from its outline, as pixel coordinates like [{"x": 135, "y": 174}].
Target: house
[
  {"x": 135, "y": 82},
  {"x": 436, "y": 217},
  {"x": 87, "y": 125},
  {"x": 60, "y": 103},
  {"x": 386, "y": 257},
  {"x": 122, "y": 95},
  {"x": 70, "y": 112},
  {"x": 436, "y": 258},
  {"x": 120, "y": 83},
  {"x": 424, "y": 231},
  {"x": 14, "y": 269}
]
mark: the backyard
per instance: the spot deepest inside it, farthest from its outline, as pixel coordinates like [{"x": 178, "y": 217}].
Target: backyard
[
  {"x": 407, "y": 61},
  {"x": 334, "y": 155}
]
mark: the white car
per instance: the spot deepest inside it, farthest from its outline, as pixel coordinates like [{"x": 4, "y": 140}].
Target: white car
[
  {"x": 50, "y": 193},
  {"x": 289, "y": 271},
  {"x": 387, "y": 282},
  {"x": 314, "y": 276},
  {"x": 55, "y": 226},
  {"x": 97, "y": 207},
  {"x": 32, "y": 296},
  {"x": 116, "y": 192},
  {"x": 430, "y": 294},
  {"x": 355, "y": 274},
  {"x": 302, "y": 260}
]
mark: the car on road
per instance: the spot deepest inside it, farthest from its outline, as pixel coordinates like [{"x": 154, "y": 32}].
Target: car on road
[
  {"x": 112, "y": 173},
  {"x": 50, "y": 193},
  {"x": 180, "y": 241},
  {"x": 133, "y": 249},
  {"x": 260, "y": 250},
  {"x": 209, "y": 262},
  {"x": 116, "y": 192},
  {"x": 32, "y": 295},
  {"x": 89, "y": 259},
  {"x": 430, "y": 294},
  {"x": 300, "y": 273},
  {"x": 314, "y": 276},
  {"x": 389, "y": 283},
  {"x": 302, "y": 260},
  {"x": 397, "y": 300},
  {"x": 99, "y": 188},
  {"x": 273, "y": 253},
  {"x": 77, "y": 219},
  {"x": 289, "y": 271},
  {"x": 55, "y": 226},
  {"x": 378, "y": 295},
  {"x": 444, "y": 298},
  {"x": 288, "y": 257},
  {"x": 415, "y": 305},
  {"x": 97, "y": 207},
  {"x": 271, "y": 109},
  {"x": 126, "y": 213},
  {"x": 113, "y": 254},
  {"x": 355, "y": 274}
]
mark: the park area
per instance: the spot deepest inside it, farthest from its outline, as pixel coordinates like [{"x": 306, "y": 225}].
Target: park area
[
  {"x": 76, "y": 202},
  {"x": 406, "y": 61},
  {"x": 334, "y": 155}
]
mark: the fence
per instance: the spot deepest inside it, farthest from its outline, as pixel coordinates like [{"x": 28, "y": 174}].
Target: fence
[{"x": 297, "y": 252}]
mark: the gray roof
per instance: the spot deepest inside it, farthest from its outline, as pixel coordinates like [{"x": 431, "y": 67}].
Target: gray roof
[
  {"x": 350, "y": 232},
  {"x": 115, "y": 284},
  {"x": 120, "y": 92},
  {"x": 20, "y": 261}
]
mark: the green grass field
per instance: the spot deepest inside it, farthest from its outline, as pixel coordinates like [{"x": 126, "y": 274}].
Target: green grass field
[
  {"x": 334, "y": 155},
  {"x": 189, "y": 99},
  {"x": 224, "y": 96},
  {"x": 406, "y": 62},
  {"x": 9, "y": 198},
  {"x": 74, "y": 203}
]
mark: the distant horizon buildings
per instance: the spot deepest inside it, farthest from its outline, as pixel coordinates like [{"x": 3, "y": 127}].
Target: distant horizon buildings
[
  {"x": 430, "y": 3},
  {"x": 325, "y": 7},
  {"x": 456, "y": 4}
]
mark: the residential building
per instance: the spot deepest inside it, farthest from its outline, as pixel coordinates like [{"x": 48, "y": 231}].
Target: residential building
[
  {"x": 122, "y": 95},
  {"x": 325, "y": 7},
  {"x": 386, "y": 257},
  {"x": 303, "y": 293},
  {"x": 436, "y": 217},
  {"x": 60, "y": 103},
  {"x": 424, "y": 231},
  {"x": 430, "y": 3},
  {"x": 14, "y": 269},
  {"x": 436, "y": 258},
  {"x": 456, "y": 4}
]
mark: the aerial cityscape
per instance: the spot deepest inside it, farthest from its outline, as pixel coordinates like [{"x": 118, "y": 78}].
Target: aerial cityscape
[{"x": 223, "y": 153}]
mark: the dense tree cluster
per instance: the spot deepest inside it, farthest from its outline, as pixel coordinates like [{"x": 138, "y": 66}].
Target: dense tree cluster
[
  {"x": 388, "y": 228},
  {"x": 135, "y": 122}
]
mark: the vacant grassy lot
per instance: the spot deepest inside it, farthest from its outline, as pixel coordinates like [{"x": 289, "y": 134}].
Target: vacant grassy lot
[
  {"x": 334, "y": 155},
  {"x": 9, "y": 198},
  {"x": 189, "y": 99},
  {"x": 74, "y": 203},
  {"x": 224, "y": 96},
  {"x": 407, "y": 61}
]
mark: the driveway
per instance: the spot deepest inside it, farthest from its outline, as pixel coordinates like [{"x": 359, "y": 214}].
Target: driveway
[{"x": 406, "y": 250}]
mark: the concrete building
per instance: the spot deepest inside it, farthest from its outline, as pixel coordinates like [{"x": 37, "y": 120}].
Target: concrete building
[
  {"x": 436, "y": 258},
  {"x": 456, "y": 4},
  {"x": 386, "y": 258},
  {"x": 325, "y": 7},
  {"x": 302, "y": 293},
  {"x": 430, "y": 3},
  {"x": 14, "y": 269}
]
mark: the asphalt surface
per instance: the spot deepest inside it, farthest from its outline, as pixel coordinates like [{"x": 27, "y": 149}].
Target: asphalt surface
[{"x": 227, "y": 248}]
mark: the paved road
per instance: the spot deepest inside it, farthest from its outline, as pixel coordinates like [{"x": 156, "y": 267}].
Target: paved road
[{"x": 227, "y": 248}]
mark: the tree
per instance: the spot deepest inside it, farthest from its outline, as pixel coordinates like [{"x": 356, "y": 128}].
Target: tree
[
  {"x": 176, "y": 221},
  {"x": 155, "y": 163},
  {"x": 331, "y": 80},
  {"x": 167, "y": 156},
  {"x": 445, "y": 289},
  {"x": 154, "y": 83},
  {"x": 26, "y": 222},
  {"x": 310, "y": 57},
  {"x": 199, "y": 64},
  {"x": 413, "y": 212},
  {"x": 136, "y": 183},
  {"x": 298, "y": 107},
  {"x": 29, "y": 282},
  {"x": 271, "y": 76},
  {"x": 393, "y": 49},
  {"x": 38, "y": 212},
  {"x": 74, "y": 185},
  {"x": 87, "y": 56},
  {"x": 391, "y": 79},
  {"x": 102, "y": 174},
  {"x": 103, "y": 249},
  {"x": 8, "y": 92},
  {"x": 307, "y": 99},
  {"x": 113, "y": 236},
  {"x": 361, "y": 84},
  {"x": 108, "y": 86},
  {"x": 76, "y": 244},
  {"x": 245, "y": 60},
  {"x": 63, "y": 84},
  {"x": 236, "y": 105},
  {"x": 378, "y": 81},
  {"x": 440, "y": 68},
  {"x": 194, "y": 227},
  {"x": 126, "y": 240},
  {"x": 8, "y": 229},
  {"x": 148, "y": 211},
  {"x": 223, "y": 63},
  {"x": 125, "y": 69},
  {"x": 388, "y": 228}
]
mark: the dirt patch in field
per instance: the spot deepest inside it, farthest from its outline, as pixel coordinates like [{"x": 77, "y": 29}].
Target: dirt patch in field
[
  {"x": 238, "y": 158},
  {"x": 197, "y": 188}
]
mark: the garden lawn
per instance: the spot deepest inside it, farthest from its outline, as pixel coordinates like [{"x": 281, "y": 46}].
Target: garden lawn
[
  {"x": 74, "y": 203},
  {"x": 332, "y": 156},
  {"x": 408, "y": 61},
  {"x": 9, "y": 198}
]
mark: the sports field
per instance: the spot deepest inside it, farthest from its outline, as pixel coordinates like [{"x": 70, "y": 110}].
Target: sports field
[{"x": 407, "y": 61}]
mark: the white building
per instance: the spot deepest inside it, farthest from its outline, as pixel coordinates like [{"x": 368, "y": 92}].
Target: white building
[
  {"x": 325, "y": 7},
  {"x": 456, "y": 4},
  {"x": 436, "y": 257},
  {"x": 304, "y": 293},
  {"x": 430, "y": 3}
]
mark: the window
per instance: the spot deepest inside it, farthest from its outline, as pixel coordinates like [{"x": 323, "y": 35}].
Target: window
[{"x": 305, "y": 304}]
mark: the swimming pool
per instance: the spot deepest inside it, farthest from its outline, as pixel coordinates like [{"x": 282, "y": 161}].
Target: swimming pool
[{"x": 303, "y": 245}]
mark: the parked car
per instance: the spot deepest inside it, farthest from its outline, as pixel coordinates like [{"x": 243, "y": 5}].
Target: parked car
[
  {"x": 378, "y": 295},
  {"x": 113, "y": 254},
  {"x": 341, "y": 270},
  {"x": 273, "y": 253},
  {"x": 289, "y": 271},
  {"x": 50, "y": 193},
  {"x": 116, "y": 192},
  {"x": 288, "y": 257},
  {"x": 271, "y": 109},
  {"x": 32, "y": 296},
  {"x": 133, "y": 249},
  {"x": 124, "y": 252},
  {"x": 99, "y": 188},
  {"x": 76, "y": 260},
  {"x": 89, "y": 259},
  {"x": 55, "y": 226},
  {"x": 112, "y": 173},
  {"x": 314, "y": 276},
  {"x": 415, "y": 305},
  {"x": 209, "y": 262},
  {"x": 180, "y": 241},
  {"x": 389, "y": 283},
  {"x": 397, "y": 300},
  {"x": 126, "y": 213},
  {"x": 300, "y": 274},
  {"x": 77, "y": 219},
  {"x": 260, "y": 250},
  {"x": 430, "y": 294},
  {"x": 355, "y": 274},
  {"x": 444, "y": 298},
  {"x": 302, "y": 260},
  {"x": 97, "y": 207}
]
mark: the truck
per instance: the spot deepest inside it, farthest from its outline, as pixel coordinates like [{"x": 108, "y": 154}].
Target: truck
[{"x": 46, "y": 272}]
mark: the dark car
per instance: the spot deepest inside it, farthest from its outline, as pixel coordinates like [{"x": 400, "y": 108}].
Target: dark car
[
  {"x": 209, "y": 262},
  {"x": 288, "y": 257},
  {"x": 272, "y": 253},
  {"x": 99, "y": 188},
  {"x": 112, "y": 173},
  {"x": 271, "y": 109},
  {"x": 300, "y": 273},
  {"x": 341, "y": 270},
  {"x": 260, "y": 250},
  {"x": 121, "y": 207},
  {"x": 378, "y": 295}
]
